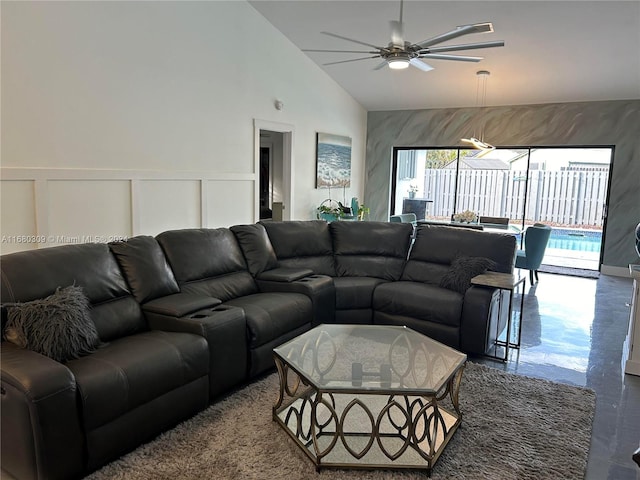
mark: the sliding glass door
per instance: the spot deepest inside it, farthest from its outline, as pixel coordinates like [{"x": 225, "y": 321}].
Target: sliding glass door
[
  {"x": 565, "y": 188},
  {"x": 568, "y": 190},
  {"x": 425, "y": 182},
  {"x": 493, "y": 184},
  {"x": 453, "y": 180}
]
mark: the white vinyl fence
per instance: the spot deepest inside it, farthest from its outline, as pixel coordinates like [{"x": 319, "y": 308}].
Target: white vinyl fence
[{"x": 567, "y": 197}]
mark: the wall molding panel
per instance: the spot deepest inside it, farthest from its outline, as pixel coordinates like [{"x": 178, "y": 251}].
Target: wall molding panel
[
  {"x": 66, "y": 206},
  {"x": 10, "y": 173}
]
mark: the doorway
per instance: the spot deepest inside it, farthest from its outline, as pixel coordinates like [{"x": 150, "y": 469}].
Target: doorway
[
  {"x": 271, "y": 175},
  {"x": 568, "y": 189},
  {"x": 273, "y": 170}
]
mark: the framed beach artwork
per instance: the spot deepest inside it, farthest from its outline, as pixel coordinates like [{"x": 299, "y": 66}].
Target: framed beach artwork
[{"x": 333, "y": 161}]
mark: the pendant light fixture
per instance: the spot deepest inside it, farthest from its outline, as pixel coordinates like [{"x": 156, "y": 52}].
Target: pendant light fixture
[{"x": 481, "y": 97}]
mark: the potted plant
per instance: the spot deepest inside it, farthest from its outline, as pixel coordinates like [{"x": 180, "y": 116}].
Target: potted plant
[
  {"x": 413, "y": 189},
  {"x": 330, "y": 210},
  {"x": 465, "y": 217},
  {"x": 362, "y": 211}
]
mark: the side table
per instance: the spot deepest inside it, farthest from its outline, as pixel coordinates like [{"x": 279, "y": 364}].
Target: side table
[{"x": 509, "y": 282}]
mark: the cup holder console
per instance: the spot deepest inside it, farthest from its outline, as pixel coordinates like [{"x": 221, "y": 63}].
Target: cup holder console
[{"x": 209, "y": 311}]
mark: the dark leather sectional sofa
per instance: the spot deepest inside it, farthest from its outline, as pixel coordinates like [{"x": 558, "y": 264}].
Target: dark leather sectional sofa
[{"x": 189, "y": 315}]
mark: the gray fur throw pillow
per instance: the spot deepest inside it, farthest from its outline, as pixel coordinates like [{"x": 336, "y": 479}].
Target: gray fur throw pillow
[
  {"x": 462, "y": 270},
  {"x": 58, "y": 326}
]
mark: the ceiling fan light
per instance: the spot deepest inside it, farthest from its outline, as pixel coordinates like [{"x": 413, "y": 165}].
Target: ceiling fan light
[
  {"x": 398, "y": 63},
  {"x": 481, "y": 94}
]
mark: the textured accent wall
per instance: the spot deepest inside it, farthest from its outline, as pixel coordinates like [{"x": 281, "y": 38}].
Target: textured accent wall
[{"x": 614, "y": 123}]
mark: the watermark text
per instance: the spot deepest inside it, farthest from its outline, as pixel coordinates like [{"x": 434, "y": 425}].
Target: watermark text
[{"x": 61, "y": 239}]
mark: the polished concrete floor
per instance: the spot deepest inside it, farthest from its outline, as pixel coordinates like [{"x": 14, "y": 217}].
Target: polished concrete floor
[{"x": 573, "y": 332}]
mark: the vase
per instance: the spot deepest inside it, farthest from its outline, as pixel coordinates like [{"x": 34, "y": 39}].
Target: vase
[
  {"x": 354, "y": 206},
  {"x": 328, "y": 217},
  {"x": 412, "y": 194}
]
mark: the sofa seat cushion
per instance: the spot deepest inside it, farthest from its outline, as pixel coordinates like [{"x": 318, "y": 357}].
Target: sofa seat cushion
[
  {"x": 370, "y": 249},
  {"x": 355, "y": 292},
  {"x": 419, "y": 300},
  {"x": 134, "y": 370},
  {"x": 271, "y": 315},
  {"x": 302, "y": 244}
]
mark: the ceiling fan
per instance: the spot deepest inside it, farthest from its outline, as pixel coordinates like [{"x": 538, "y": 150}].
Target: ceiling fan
[{"x": 399, "y": 54}]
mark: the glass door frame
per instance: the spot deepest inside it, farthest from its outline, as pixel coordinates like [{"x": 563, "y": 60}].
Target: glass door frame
[{"x": 529, "y": 149}]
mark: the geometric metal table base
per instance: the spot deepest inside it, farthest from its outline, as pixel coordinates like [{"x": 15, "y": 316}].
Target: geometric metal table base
[{"x": 365, "y": 429}]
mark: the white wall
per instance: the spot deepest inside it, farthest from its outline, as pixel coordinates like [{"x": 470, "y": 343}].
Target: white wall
[{"x": 126, "y": 118}]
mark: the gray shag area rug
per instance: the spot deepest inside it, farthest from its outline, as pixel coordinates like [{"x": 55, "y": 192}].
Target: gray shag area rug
[{"x": 513, "y": 427}]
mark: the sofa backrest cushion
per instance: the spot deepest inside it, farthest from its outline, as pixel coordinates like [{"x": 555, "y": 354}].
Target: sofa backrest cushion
[
  {"x": 145, "y": 268},
  {"x": 256, "y": 247},
  {"x": 370, "y": 249},
  {"x": 36, "y": 274},
  {"x": 436, "y": 247},
  {"x": 302, "y": 244},
  {"x": 208, "y": 262}
]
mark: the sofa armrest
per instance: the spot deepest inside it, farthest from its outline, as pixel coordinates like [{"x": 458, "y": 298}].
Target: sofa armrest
[
  {"x": 225, "y": 329},
  {"x": 41, "y": 432},
  {"x": 285, "y": 274},
  {"x": 180, "y": 304},
  {"x": 319, "y": 288},
  {"x": 478, "y": 323}
]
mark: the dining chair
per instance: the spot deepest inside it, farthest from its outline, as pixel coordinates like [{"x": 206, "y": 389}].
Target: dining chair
[
  {"x": 494, "y": 220},
  {"x": 536, "y": 238}
]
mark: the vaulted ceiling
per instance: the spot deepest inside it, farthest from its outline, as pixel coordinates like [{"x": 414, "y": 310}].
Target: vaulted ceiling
[{"x": 555, "y": 51}]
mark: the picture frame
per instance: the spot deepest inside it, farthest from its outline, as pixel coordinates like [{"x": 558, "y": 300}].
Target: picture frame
[{"x": 333, "y": 160}]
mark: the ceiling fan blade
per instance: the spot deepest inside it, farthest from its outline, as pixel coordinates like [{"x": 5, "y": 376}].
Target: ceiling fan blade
[
  {"x": 397, "y": 34},
  {"x": 460, "y": 58},
  {"x": 420, "y": 64},
  {"x": 351, "y": 40},
  {"x": 458, "y": 32},
  {"x": 466, "y": 46},
  {"x": 381, "y": 65},
  {"x": 337, "y": 51},
  {"x": 352, "y": 60}
]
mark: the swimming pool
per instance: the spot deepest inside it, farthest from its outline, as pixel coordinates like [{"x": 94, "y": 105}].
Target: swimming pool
[{"x": 575, "y": 240}]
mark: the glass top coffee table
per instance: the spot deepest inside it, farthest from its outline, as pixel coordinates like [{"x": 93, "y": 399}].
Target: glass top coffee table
[{"x": 368, "y": 396}]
